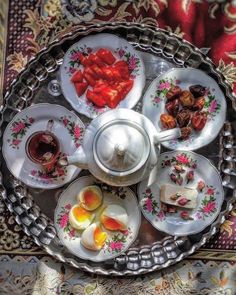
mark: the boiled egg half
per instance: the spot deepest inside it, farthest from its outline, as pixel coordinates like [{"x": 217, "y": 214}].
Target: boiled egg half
[
  {"x": 93, "y": 238},
  {"x": 114, "y": 217},
  {"x": 90, "y": 197},
  {"x": 80, "y": 218}
]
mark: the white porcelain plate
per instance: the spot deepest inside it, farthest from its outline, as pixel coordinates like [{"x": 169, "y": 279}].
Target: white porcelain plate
[
  {"x": 117, "y": 242},
  {"x": 67, "y": 127},
  {"x": 215, "y": 105},
  {"x": 122, "y": 50},
  {"x": 209, "y": 201}
]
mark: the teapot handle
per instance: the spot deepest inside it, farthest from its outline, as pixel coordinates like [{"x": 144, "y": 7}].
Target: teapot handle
[{"x": 167, "y": 135}]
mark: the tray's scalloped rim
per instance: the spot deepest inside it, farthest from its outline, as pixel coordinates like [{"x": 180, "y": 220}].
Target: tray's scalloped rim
[{"x": 85, "y": 30}]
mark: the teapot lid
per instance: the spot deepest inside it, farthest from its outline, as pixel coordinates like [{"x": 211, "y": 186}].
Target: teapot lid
[{"x": 121, "y": 147}]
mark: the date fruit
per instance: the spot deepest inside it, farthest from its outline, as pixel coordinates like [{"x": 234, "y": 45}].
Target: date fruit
[
  {"x": 199, "y": 120},
  {"x": 186, "y": 99},
  {"x": 183, "y": 117},
  {"x": 186, "y": 132},
  {"x": 172, "y": 107},
  {"x": 173, "y": 92},
  {"x": 167, "y": 121},
  {"x": 197, "y": 90},
  {"x": 199, "y": 104}
]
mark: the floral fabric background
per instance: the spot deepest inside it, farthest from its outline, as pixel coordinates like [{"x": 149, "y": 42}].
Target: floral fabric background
[{"x": 28, "y": 26}]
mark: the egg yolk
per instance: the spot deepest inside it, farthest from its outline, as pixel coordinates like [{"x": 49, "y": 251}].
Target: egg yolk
[
  {"x": 81, "y": 214},
  {"x": 111, "y": 223},
  {"x": 99, "y": 237},
  {"x": 90, "y": 198}
]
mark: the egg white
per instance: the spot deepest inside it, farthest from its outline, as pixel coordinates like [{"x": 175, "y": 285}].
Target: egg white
[
  {"x": 87, "y": 238},
  {"x": 97, "y": 191},
  {"x": 117, "y": 213},
  {"x": 77, "y": 224}
]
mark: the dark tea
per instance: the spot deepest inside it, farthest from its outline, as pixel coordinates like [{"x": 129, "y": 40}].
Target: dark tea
[{"x": 43, "y": 148}]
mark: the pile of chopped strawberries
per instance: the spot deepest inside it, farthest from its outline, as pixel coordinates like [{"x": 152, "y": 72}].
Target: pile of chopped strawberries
[{"x": 109, "y": 79}]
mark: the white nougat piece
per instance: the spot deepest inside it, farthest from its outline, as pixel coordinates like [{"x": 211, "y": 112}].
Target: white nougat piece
[{"x": 169, "y": 190}]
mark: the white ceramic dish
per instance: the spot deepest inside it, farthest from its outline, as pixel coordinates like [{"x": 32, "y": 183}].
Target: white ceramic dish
[
  {"x": 122, "y": 50},
  {"x": 155, "y": 98},
  {"x": 117, "y": 242},
  {"x": 67, "y": 127},
  {"x": 209, "y": 201}
]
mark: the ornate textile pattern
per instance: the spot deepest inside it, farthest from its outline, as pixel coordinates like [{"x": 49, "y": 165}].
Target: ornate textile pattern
[
  {"x": 29, "y": 275},
  {"x": 3, "y": 32},
  {"x": 214, "y": 25}
]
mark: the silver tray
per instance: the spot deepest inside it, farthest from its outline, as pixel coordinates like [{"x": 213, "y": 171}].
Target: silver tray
[{"x": 34, "y": 208}]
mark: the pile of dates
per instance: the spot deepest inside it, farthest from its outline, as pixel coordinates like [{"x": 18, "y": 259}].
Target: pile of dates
[{"x": 185, "y": 109}]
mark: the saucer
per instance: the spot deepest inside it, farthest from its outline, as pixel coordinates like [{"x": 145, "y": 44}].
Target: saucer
[
  {"x": 209, "y": 200},
  {"x": 67, "y": 127},
  {"x": 122, "y": 50},
  {"x": 117, "y": 242},
  {"x": 215, "y": 105}
]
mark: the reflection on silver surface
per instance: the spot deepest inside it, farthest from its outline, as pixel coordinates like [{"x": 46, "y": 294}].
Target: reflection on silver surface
[{"x": 54, "y": 88}]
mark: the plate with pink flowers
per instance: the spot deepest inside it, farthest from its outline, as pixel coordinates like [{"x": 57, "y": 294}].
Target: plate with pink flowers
[
  {"x": 74, "y": 229},
  {"x": 186, "y": 197},
  {"x": 186, "y": 98},
  {"x": 76, "y": 92},
  {"x": 65, "y": 127}
]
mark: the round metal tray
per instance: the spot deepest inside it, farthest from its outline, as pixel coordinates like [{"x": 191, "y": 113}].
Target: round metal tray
[{"x": 34, "y": 208}]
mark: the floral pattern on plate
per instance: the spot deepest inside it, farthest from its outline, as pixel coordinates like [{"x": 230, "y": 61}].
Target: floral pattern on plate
[
  {"x": 208, "y": 204},
  {"x": 122, "y": 50},
  {"x": 63, "y": 222},
  {"x": 215, "y": 105},
  {"x": 209, "y": 199},
  {"x": 18, "y": 130},
  {"x": 117, "y": 241},
  {"x": 57, "y": 174},
  {"x": 74, "y": 129}
]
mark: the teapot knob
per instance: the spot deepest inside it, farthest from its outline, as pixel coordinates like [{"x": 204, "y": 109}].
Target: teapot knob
[{"x": 120, "y": 150}]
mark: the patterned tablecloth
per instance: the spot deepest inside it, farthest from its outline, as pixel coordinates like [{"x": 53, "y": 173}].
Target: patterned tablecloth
[{"x": 29, "y": 25}]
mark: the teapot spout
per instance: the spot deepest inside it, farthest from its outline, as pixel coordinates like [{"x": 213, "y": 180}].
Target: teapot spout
[
  {"x": 167, "y": 135},
  {"x": 78, "y": 159}
]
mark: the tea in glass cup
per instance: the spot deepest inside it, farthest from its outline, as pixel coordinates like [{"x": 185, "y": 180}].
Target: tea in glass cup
[{"x": 43, "y": 148}]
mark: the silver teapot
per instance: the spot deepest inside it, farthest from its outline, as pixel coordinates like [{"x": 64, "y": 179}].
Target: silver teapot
[{"x": 120, "y": 147}]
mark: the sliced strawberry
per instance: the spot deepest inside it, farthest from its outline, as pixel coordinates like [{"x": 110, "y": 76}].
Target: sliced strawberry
[
  {"x": 111, "y": 96},
  {"x": 80, "y": 87},
  {"x": 120, "y": 63},
  {"x": 96, "y": 60},
  {"x": 123, "y": 68},
  {"x": 84, "y": 60},
  {"x": 100, "y": 86},
  {"x": 89, "y": 70},
  {"x": 77, "y": 77},
  {"x": 106, "y": 56},
  {"x": 117, "y": 74},
  {"x": 89, "y": 78},
  {"x": 126, "y": 86},
  {"x": 97, "y": 70},
  {"x": 107, "y": 73},
  {"x": 95, "y": 98}
]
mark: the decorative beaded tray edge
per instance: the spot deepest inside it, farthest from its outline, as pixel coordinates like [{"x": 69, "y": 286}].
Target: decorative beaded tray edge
[{"x": 135, "y": 261}]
